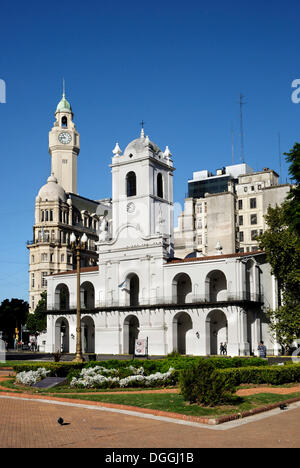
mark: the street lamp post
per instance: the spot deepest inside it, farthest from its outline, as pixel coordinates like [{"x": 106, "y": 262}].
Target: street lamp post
[{"x": 78, "y": 245}]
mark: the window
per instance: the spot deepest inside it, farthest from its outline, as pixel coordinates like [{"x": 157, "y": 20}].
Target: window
[
  {"x": 199, "y": 224},
  {"x": 64, "y": 121},
  {"x": 252, "y": 202},
  {"x": 42, "y": 217},
  {"x": 44, "y": 281},
  {"x": 32, "y": 280},
  {"x": 51, "y": 215},
  {"x": 44, "y": 257},
  {"x": 241, "y": 220},
  {"x": 240, "y": 204},
  {"x": 253, "y": 219},
  {"x": 241, "y": 234},
  {"x": 32, "y": 302},
  {"x": 62, "y": 258},
  {"x": 253, "y": 235},
  {"x": 51, "y": 258},
  {"x": 32, "y": 258},
  {"x": 199, "y": 208},
  {"x": 254, "y": 248},
  {"x": 47, "y": 216},
  {"x": 131, "y": 184},
  {"x": 252, "y": 188},
  {"x": 245, "y": 189},
  {"x": 259, "y": 187},
  {"x": 199, "y": 240},
  {"x": 160, "y": 192},
  {"x": 242, "y": 249}
]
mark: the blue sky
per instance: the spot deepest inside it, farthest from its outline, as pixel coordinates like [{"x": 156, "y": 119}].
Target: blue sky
[{"x": 179, "y": 66}]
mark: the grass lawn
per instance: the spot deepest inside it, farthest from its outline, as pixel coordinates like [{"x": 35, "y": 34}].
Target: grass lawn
[
  {"x": 169, "y": 402},
  {"x": 175, "y": 403}
]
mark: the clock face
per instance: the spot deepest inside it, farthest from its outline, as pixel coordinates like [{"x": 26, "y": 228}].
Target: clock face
[
  {"x": 64, "y": 138},
  {"x": 130, "y": 207}
]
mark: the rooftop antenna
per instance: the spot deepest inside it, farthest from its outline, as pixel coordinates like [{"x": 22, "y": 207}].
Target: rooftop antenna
[
  {"x": 279, "y": 153},
  {"x": 232, "y": 145},
  {"x": 242, "y": 103}
]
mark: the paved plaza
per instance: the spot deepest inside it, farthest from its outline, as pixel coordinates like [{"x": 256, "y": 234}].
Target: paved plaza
[{"x": 32, "y": 423}]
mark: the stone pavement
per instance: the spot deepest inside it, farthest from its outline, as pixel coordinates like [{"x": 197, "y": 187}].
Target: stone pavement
[{"x": 33, "y": 424}]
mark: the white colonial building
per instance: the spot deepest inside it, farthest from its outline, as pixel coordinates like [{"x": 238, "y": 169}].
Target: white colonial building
[{"x": 139, "y": 289}]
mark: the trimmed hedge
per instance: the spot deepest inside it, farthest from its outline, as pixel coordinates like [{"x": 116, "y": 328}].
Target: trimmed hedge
[
  {"x": 62, "y": 369},
  {"x": 274, "y": 375}
]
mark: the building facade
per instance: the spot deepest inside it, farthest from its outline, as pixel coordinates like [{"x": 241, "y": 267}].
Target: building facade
[
  {"x": 225, "y": 212},
  {"x": 140, "y": 290},
  {"x": 59, "y": 210}
]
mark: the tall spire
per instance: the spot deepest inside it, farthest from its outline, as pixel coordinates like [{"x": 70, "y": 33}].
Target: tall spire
[
  {"x": 64, "y": 89},
  {"x": 64, "y": 105}
]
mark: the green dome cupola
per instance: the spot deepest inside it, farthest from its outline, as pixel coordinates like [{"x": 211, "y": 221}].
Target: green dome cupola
[{"x": 64, "y": 105}]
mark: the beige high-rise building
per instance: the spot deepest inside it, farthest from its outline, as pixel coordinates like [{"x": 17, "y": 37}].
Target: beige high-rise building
[
  {"x": 59, "y": 210},
  {"x": 224, "y": 213}
]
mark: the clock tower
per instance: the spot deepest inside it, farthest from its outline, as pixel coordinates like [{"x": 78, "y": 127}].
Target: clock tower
[{"x": 64, "y": 147}]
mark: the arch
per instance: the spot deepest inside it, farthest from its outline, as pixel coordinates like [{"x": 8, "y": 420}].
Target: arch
[
  {"x": 87, "y": 295},
  {"x": 216, "y": 286},
  {"x": 131, "y": 184},
  {"x": 134, "y": 290},
  {"x": 182, "y": 323},
  {"x": 160, "y": 185},
  {"x": 64, "y": 121},
  {"x": 216, "y": 331},
  {"x": 88, "y": 334},
  {"x": 182, "y": 288},
  {"x": 130, "y": 333},
  {"x": 62, "y": 341},
  {"x": 62, "y": 297}
]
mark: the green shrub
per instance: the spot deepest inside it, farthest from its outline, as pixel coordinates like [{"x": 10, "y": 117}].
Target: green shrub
[
  {"x": 273, "y": 375},
  {"x": 179, "y": 363},
  {"x": 204, "y": 385}
]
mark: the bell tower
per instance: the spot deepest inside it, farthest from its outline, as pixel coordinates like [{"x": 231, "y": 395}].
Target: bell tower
[
  {"x": 64, "y": 147},
  {"x": 142, "y": 183}
]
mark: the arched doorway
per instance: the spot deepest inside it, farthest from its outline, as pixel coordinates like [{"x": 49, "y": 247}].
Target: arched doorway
[
  {"x": 216, "y": 331},
  {"x": 87, "y": 295},
  {"x": 62, "y": 335},
  {"x": 182, "y": 323},
  {"x": 132, "y": 290},
  {"x": 182, "y": 288},
  {"x": 216, "y": 286},
  {"x": 249, "y": 280},
  {"x": 62, "y": 297},
  {"x": 88, "y": 334},
  {"x": 130, "y": 333}
]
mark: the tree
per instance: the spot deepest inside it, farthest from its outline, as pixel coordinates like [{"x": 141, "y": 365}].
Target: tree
[
  {"x": 37, "y": 322},
  {"x": 13, "y": 314},
  {"x": 281, "y": 242},
  {"x": 292, "y": 205}
]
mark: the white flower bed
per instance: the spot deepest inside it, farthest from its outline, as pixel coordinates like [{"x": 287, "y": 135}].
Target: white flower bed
[
  {"x": 93, "y": 377},
  {"x": 31, "y": 377}
]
